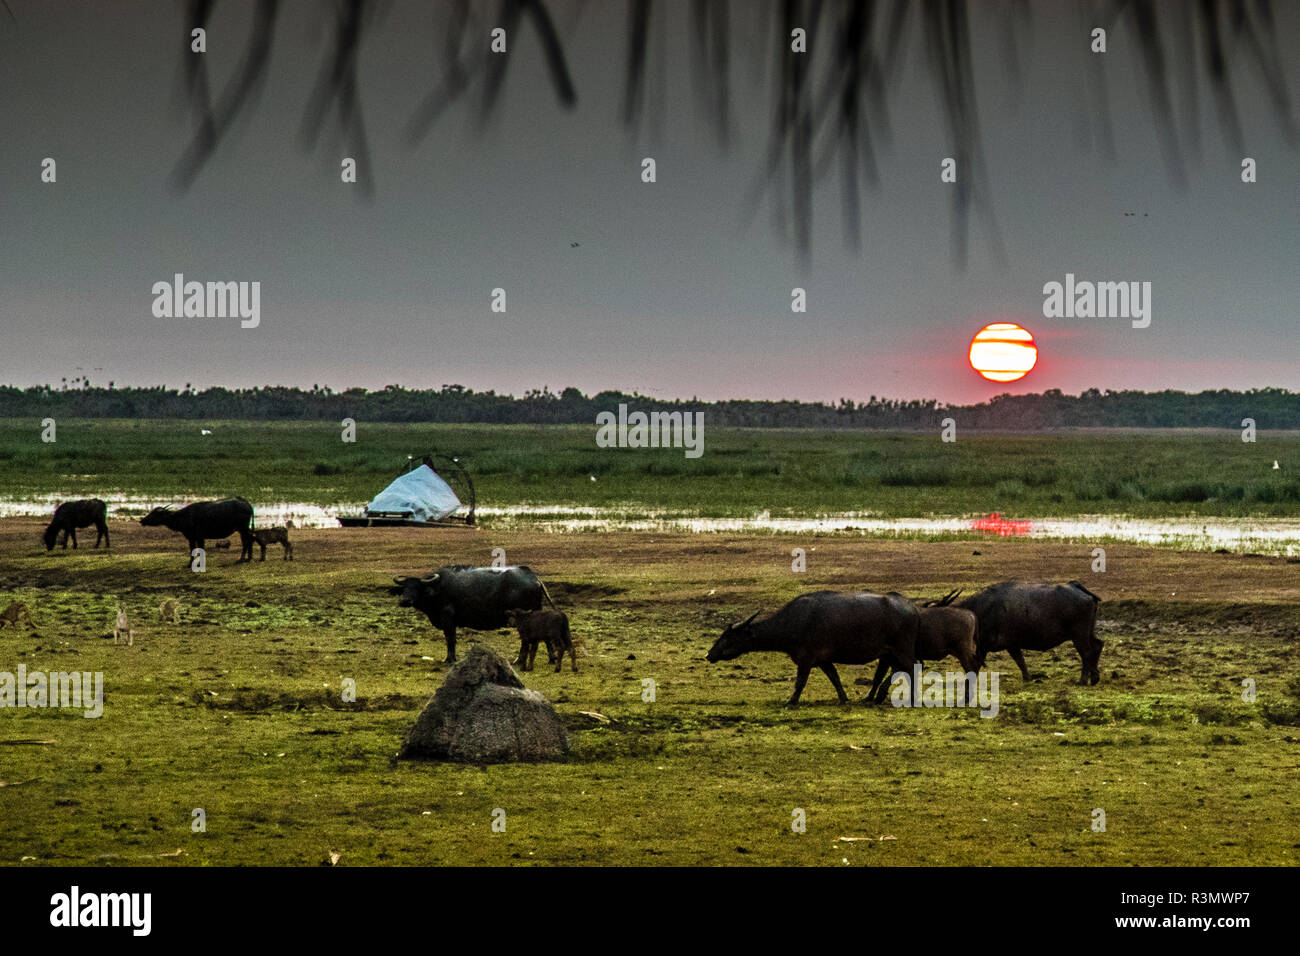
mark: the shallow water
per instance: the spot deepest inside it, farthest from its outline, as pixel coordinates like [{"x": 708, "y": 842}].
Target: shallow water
[
  {"x": 1279, "y": 536},
  {"x": 1265, "y": 536}
]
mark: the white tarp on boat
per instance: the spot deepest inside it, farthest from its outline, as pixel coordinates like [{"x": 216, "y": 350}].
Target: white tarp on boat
[{"x": 420, "y": 492}]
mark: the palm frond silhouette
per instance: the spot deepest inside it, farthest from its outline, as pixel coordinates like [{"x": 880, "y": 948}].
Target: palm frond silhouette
[{"x": 829, "y": 107}]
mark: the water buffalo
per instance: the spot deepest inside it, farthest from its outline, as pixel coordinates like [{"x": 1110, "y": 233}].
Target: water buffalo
[
  {"x": 1016, "y": 616},
  {"x": 477, "y": 598},
  {"x": 264, "y": 536},
  {"x": 208, "y": 519},
  {"x": 944, "y": 631},
  {"x": 71, "y": 515},
  {"x": 547, "y": 627},
  {"x": 826, "y": 628}
]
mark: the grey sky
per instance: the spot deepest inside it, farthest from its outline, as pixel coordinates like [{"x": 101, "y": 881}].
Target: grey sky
[{"x": 671, "y": 291}]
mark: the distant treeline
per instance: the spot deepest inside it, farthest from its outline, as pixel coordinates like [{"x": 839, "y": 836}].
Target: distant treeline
[{"x": 1270, "y": 407}]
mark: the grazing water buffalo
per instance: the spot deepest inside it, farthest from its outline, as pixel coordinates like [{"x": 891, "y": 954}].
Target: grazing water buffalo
[
  {"x": 1016, "y": 616},
  {"x": 71, "y": 515},
  {"x": 477, "y": 598},
  {"x": 944, "y": 631},
  {"x": 208, "y": 519},
  {"x": 826, "y": 628}
]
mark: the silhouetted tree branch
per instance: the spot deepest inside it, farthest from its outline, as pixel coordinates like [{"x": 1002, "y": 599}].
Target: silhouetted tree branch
[{"x": 826, "y": 107}]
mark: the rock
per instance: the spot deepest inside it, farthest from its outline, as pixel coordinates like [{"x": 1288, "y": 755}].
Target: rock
[
  {"x": 483, "y": 714},
  {"x": 508, "y": 724}
]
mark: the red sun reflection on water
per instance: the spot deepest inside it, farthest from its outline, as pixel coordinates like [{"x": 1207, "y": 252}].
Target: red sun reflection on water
[{"x": 1002, "y": 527}]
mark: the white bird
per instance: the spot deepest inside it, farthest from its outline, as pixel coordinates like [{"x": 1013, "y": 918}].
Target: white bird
[
  {"x": 205, "y": 431},
  {"x": 1276, "y": 466}
]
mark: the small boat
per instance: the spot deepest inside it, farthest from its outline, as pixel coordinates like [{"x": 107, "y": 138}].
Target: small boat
[{"x": 420, "y": 497}]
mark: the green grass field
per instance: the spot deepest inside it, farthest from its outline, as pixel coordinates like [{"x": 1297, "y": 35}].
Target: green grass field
[
  {"x": 238, "y": 709},
  {"x": 741, "y": 471}
]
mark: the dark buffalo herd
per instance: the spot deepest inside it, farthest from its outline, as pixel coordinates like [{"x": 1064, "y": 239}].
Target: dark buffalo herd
[
  {"x": 815, "y": 630},
  {"x": 198, "y": 523},
  {"x": 826, "y": 628}
]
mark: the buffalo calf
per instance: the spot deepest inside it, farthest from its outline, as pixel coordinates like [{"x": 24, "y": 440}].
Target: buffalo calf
[
  {"x": 266, "y": 536},
  {"x": 547, "y": 627},
  {"x": 944, "y": 632}
]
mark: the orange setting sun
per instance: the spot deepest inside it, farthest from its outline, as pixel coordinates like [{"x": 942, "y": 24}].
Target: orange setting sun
[{"x": 1003, "y": 352}]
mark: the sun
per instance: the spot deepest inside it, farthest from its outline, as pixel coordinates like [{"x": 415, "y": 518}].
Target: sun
[{"x": 1003, "y": 352}]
